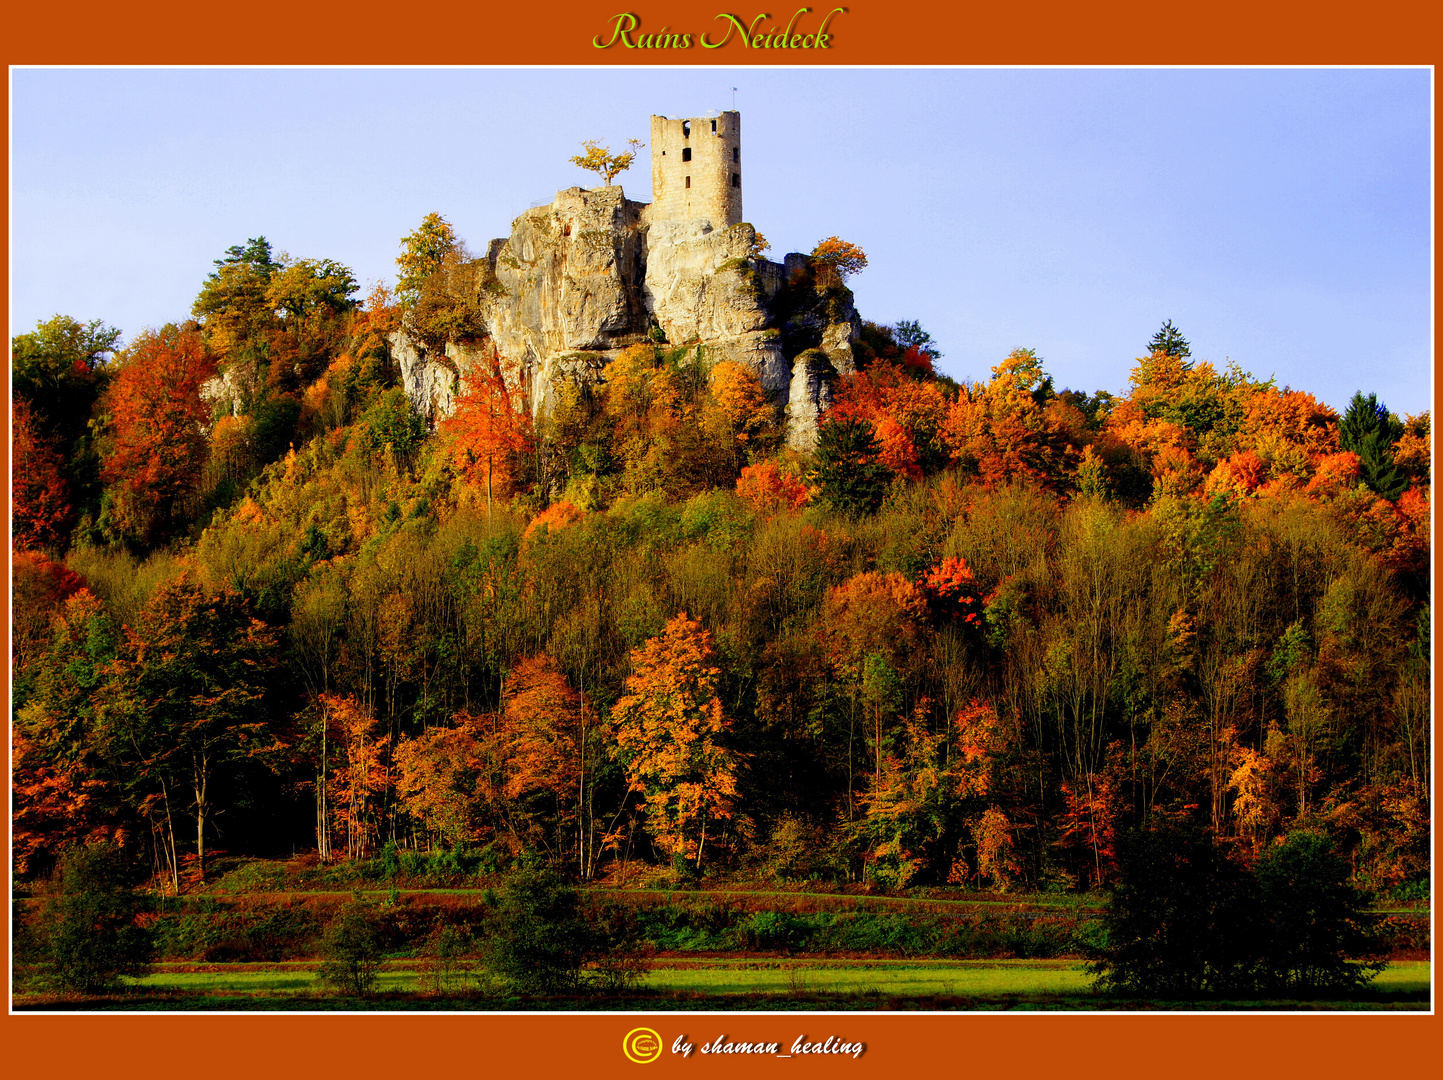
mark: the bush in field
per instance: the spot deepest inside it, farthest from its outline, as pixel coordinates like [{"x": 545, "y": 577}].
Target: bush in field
[
  {"x": 1179, "y": 920},
  {"x": 540, "y": 940},
  {"x": 619, "y": 964},
  {"x": 87, "y": 936},
  {"x": 351, "y": 947},
  {"x": 770, "y": 930},
  {"x": 1314, "y": 921},
  {"x": 446, "y": 961},
  {"x": 1184, "y": 919}
]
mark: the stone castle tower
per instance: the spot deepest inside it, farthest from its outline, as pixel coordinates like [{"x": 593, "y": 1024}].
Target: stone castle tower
[{"x": 696, "y": 169}]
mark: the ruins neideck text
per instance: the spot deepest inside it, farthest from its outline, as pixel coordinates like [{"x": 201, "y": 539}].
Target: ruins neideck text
[{"x": 758, "y": 34}]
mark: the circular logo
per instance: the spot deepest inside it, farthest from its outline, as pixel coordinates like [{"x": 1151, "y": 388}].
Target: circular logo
[{"x": 641, "y": 1045}]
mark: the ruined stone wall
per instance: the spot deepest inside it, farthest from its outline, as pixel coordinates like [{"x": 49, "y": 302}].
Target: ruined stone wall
[{"x": 696, "y": 169}]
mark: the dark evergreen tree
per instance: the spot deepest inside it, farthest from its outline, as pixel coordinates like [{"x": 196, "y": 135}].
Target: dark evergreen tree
[
  {"x": 910, "y": 335},
  {"x": 847, "y": 466},
  {"x": 1169, "y": 340},
  {"x": 255, "y": 252},
  {"x": 1369, "y": 430}
]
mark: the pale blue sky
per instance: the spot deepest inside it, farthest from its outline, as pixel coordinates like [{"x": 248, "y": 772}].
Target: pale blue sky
[{"x": 1280, "y": 218}]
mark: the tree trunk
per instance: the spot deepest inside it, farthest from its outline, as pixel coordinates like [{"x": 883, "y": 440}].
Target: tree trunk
[{"x": 201, "y": 766}]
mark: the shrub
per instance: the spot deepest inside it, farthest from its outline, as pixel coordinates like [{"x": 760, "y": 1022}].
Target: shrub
[
  {"x": 539, "y": 942},
  {"x": 1178, "y": 919},
  {"x": 1314, "y": 920},
  {"x": 769, "y": 930},
  {"x": 446, "y": 960},
  {"x": 351, "y": 947},
  {"x": 87, "y": 935}
]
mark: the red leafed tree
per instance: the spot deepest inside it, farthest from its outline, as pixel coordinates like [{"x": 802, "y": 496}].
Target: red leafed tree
[
  {"x": 39, "y": 588},
  {"x": 953, "y": 592},
  {"x": 491, "y": 423},
  {"x": 40, "y": 510},
  {"x": 907, "y": 416},
  {"x": 670, "y": 730},
  {"x": 58, "y": 803},
  {"x": 771, "y": 491},
  {"x": 157, "y": 445},
  {"x": 1094, "y": 803}
]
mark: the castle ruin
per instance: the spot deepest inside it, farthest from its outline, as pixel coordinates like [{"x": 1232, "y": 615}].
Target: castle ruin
[
  {"x": 696, "y": 171},
  {"x": 594, "y": 273}
]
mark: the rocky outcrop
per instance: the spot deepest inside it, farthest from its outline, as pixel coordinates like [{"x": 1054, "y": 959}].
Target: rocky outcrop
[
  {"x": 431, "y": 382},
  {"x": 568, "y": 281},
  {"x": 809, "y": 395},
  {"x": 702, "y": 286},
  {"x": 591, "y": 274}
]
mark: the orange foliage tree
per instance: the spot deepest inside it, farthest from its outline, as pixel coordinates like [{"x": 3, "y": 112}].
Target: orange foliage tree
[
  {"x": 553, "y": 519},
  {"x": 771, "y": 491},
  {"x": 644, "y": 401},
  {"x": 739, "y": 406},
  {"x": 360, "y": 777},
  {"x": 875, "y": 624},
  {"x": 1010, "y": 428},
  {"x": 843, "y": 256},
  {"x": 442, "y": 782},
  {"x": 491, "y": 423},
  {"x": 543, "y": 741},
  {"x": 157, "y": 422},
  {"x": 670, "y": 730}
]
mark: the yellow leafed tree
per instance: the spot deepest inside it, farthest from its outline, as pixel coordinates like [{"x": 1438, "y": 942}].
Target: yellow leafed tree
[
  {"x": 670, "y": 729},
  {"x": 600, "y": 160}
]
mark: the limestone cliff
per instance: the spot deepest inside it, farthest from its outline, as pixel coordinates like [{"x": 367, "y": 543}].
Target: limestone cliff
[{"x": 591, "y": 274}]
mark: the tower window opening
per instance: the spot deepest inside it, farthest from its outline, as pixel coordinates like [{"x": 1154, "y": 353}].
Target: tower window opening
[
  {"x": 736, "y": 179},
  {"x": 736, "y": 153},
  {"x": 688, "y": 181},
  {"x": 713, "y": 127},
  {"x": 686, "y": 153},
  {"x": 686, "y": 129}
]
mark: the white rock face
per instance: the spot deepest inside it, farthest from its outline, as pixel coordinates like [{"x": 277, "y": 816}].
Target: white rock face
[
  {"x": 432, "y": 385},
  {"x": 590, "y": 275},
  {"x": 810, "y": 395},
  {"x": 571, "y": 273}
]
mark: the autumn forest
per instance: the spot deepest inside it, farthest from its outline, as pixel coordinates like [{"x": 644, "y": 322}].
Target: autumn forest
[{"x": 263, "y": 607}]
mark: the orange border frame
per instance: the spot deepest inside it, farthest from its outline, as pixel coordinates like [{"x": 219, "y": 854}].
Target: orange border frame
[{"x": 927, "y": 32}]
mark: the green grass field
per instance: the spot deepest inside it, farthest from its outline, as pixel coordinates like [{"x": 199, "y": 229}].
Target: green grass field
[
  {"x": 253, "y": 939},
  {"x": 986, "y": 980}
]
